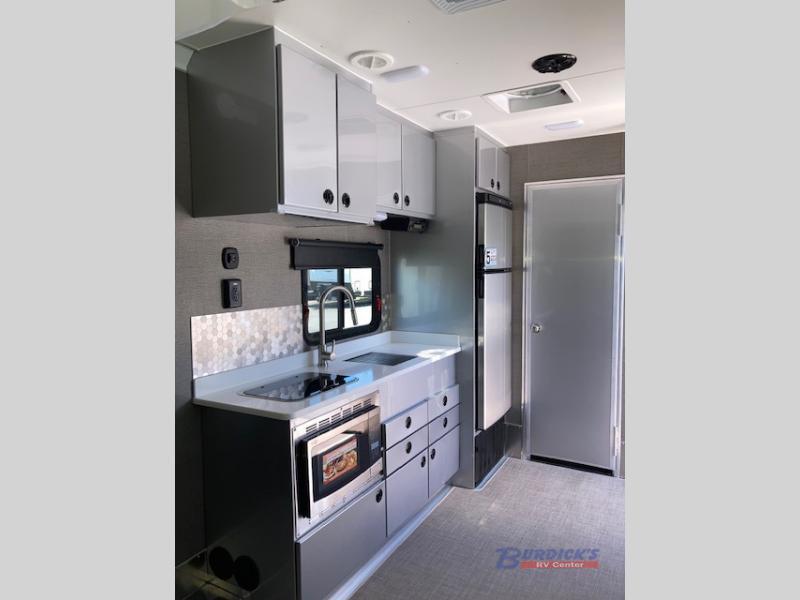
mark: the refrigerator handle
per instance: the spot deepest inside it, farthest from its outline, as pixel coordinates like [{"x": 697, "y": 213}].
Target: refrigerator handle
[
  {"x": 479, "y": 285},
  {"x": 480, "y": 256}
]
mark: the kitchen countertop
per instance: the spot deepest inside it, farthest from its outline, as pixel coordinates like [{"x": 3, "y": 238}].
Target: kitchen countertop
[{"x": 224, "y": 390}]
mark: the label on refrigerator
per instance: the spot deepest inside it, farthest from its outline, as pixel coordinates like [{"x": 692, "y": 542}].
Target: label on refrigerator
[{"x": 490, "y": 258}]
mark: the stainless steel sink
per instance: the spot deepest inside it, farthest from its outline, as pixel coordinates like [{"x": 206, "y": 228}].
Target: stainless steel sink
[{"x": 381, "y": 358}]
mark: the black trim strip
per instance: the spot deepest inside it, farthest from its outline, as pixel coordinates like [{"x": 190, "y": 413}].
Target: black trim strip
[
  {"x": 491, "y": 271},
  {"x": 487, "y": 198}
]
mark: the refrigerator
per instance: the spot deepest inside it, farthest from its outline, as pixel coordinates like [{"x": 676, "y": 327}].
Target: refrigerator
[{"x": 493, "y": 309}]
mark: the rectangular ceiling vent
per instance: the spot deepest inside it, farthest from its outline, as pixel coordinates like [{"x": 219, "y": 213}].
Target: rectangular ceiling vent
[
  {"x": 454, "y": 6},
  {"x": 533, "y": 97}
]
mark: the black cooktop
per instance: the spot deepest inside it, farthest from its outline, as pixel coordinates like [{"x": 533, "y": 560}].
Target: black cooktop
[{"x": 300, "y": 386}]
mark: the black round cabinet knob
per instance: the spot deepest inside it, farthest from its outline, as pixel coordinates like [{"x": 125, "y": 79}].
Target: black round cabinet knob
[
  {"x": 408, "y": 448},
  {"x": 327, "y": 196},
  {"x": 444, "y": 423},
  {"x": 408, "y": 422},
  {"x": 433, "y": 453},
  {"x": 407, "y": 200},
  {"x": 379, "y": 496},
  {"x": 444, "y": 401},
  {"x": 396, "y": 198},
  {"x": 492, "y": 183},
  {"x": 498, "y": 184},
  {"x": 422, "y": 463},
  {"x": 346, "y": 200}
]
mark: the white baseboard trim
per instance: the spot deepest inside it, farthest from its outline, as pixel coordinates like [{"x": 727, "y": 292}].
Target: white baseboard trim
[{"x": 349, "y": 587}]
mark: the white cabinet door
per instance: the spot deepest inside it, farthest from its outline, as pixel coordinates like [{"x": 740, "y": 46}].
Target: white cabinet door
[
  {"x": 486, "y": 169},
  {"x": 443, "y": 461},
  {"x": 307, "y": 94},
  {"x": 419, "y": 172},
  {"x": 406, "y": 492},
  {"x": 390, "y": 175},
  {"x": 357, "y": 114},
  {"x": 502, "y": 182}
]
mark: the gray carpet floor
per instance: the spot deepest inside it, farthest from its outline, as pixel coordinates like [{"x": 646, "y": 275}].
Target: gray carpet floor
[{"x": 453, "y": 554}]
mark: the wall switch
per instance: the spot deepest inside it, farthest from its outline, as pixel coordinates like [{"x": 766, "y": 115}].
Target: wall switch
[
  {"x": 231, "y": 293},
  {"x": 230, "y": 258}
]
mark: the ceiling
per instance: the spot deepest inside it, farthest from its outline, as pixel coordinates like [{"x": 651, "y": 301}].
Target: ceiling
[{"x": 469, "y": 54}]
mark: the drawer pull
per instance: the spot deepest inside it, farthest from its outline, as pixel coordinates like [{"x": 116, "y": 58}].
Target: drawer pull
[
  {"x": 379, "y": 496},
  {"x": 444, "y": 401},
  {"x": 423, "y": 461},
  {"x": 444, "y": 423},
  {"x": 408, "y": 448},
  {"x": 408, "y": 422},
  {"x": 433, "y": 453}
]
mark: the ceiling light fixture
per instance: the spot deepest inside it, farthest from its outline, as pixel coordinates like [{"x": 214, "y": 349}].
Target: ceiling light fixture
[
  {"x": 406, "y": 73},
  {"x": 371, "y": 59},
  {"x": 564, "y": 125},
  {"x": 455, "y": 115},
  {"x": 554, "y": 63}
]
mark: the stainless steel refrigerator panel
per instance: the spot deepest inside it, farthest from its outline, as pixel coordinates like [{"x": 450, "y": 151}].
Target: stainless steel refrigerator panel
[
  {"x": 494, "y": 234},
  {"x": 575, "y": 294},
  {"x": 494, "y": 349}
]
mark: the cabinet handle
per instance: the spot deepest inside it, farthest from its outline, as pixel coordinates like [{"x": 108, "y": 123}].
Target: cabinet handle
[
  {"x": 407, "y": 200},
  {"x": 424, "y": 460},
  {"x": 498, "y": 184},
  {"x": 346, "y": 199},
  {"x": 444, "y": 423},
  {"x": 396, "y": 198},
  {"x": 492, "y": 182},
  {"x": 327, "y": 196},
  {"x": 433, "y": 453},
  {"x": 444, "y": 401},
  {"x": 379, "y": 496},
  {"x": 408, "y": 448},
  {"x": 408, "y": 422}
]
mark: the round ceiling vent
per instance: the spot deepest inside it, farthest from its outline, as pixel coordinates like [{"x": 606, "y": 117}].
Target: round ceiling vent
[
  {"x": 371, "y": 59},
  {"x": 455, "y": 115},
  {"x": 554, "y": 63}
]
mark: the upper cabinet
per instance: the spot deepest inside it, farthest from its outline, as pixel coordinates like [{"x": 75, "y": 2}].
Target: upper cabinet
[
  {"x": 308, "y": 134},
  {"x": 390, "y": 174},
  {"x": 493, "y": 168},
  {"x": 419, "y": 172}
]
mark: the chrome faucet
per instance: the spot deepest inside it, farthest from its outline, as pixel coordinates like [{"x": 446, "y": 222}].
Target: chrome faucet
[{"x": 324, "y": 355}]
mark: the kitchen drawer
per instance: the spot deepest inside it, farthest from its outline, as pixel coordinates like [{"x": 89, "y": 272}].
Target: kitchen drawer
[
  {"x": 440, "y": 403},
  {"x": 406, "y": 492},
  {"x": 401, "y": 453},
  {"x": 419, "y": 384},
  {"x": 443, "y": 424},
  {"x": 404, "y": 424},
  {"x": 443, "y": 460},
  {"x": 360, "y": 528}
]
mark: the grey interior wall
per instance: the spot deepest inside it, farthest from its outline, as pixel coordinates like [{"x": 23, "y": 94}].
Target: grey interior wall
[
  {"x": 267, "y": 281},
  {"x": 567, "y": 159}
]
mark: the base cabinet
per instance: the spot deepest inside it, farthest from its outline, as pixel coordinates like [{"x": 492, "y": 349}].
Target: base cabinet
[
  {"x": 442, "y": 461},
  {"x": 333, "y": 553},
  {"x": 406, "y": 492}
]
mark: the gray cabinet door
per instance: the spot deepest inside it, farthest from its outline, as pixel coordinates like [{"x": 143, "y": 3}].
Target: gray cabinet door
[
  {"x": 502, "y": 182},
  {"x": 357, "y": 114},
  {"x": 308, "y": 133},
  {"x": 406, "y": 492},
  {"x": 341, "y": 546},
  {"x": 443, "y": 461},
  {"x": 419, "y": 171},
  {"x": 390, "y": 176},
  {"x": 486, "y": 169}
]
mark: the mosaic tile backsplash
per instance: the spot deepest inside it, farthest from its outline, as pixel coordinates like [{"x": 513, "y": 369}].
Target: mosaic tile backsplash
[{"x": 232, "y": 340}]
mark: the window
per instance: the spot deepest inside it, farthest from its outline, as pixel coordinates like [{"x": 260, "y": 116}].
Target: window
[{"x": 356, "y": 267}]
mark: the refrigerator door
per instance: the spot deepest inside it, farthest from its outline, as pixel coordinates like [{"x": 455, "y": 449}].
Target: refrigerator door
[
  {"x": 494, "y": 348},
  {"x": 494, "y": 235}
]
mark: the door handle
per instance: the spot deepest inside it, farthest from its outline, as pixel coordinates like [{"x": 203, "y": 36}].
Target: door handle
[{"x": 536, "y": 328}]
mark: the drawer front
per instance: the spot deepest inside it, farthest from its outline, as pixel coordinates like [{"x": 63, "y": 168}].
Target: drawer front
[
  {"x": 443, "y": 424},
  {"x": 418, "y": 385},
  {"x": 401, "y": 453},
  {"x": 360, "y": 528},
  {"x": 406, "y": 492},
  {"x": 440, "y": 403},
  {"x": 404, "y": 424},
  {"x": 443, "y": 460}
]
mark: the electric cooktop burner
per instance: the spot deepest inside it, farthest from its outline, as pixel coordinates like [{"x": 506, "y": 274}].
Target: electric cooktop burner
[{"x": 300, "y": 386}]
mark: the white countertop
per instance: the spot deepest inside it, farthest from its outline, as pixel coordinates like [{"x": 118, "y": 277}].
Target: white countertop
[{"x": 224, "y": 390}]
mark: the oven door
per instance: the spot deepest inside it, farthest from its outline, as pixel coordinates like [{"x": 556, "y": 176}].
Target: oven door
[{"x": 334, "y": 458}]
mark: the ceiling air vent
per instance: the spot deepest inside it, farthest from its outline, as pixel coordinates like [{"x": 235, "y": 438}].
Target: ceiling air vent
[
  {"x": 454, "y": 6},
  {"x": 533, "y": 97}
]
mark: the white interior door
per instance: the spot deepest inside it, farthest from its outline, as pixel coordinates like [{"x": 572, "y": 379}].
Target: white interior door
[{"x": 573, "y": 299}]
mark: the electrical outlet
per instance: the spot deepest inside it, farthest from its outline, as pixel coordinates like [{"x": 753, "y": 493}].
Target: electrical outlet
[
  {"x": 230, "y": 258},
  {"x": 231, "y": 293}
]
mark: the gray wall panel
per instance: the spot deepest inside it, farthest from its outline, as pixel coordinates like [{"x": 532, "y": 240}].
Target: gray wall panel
[
  {"x": 567, "y": 159},
  {"x": 267, "y": 281}
]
